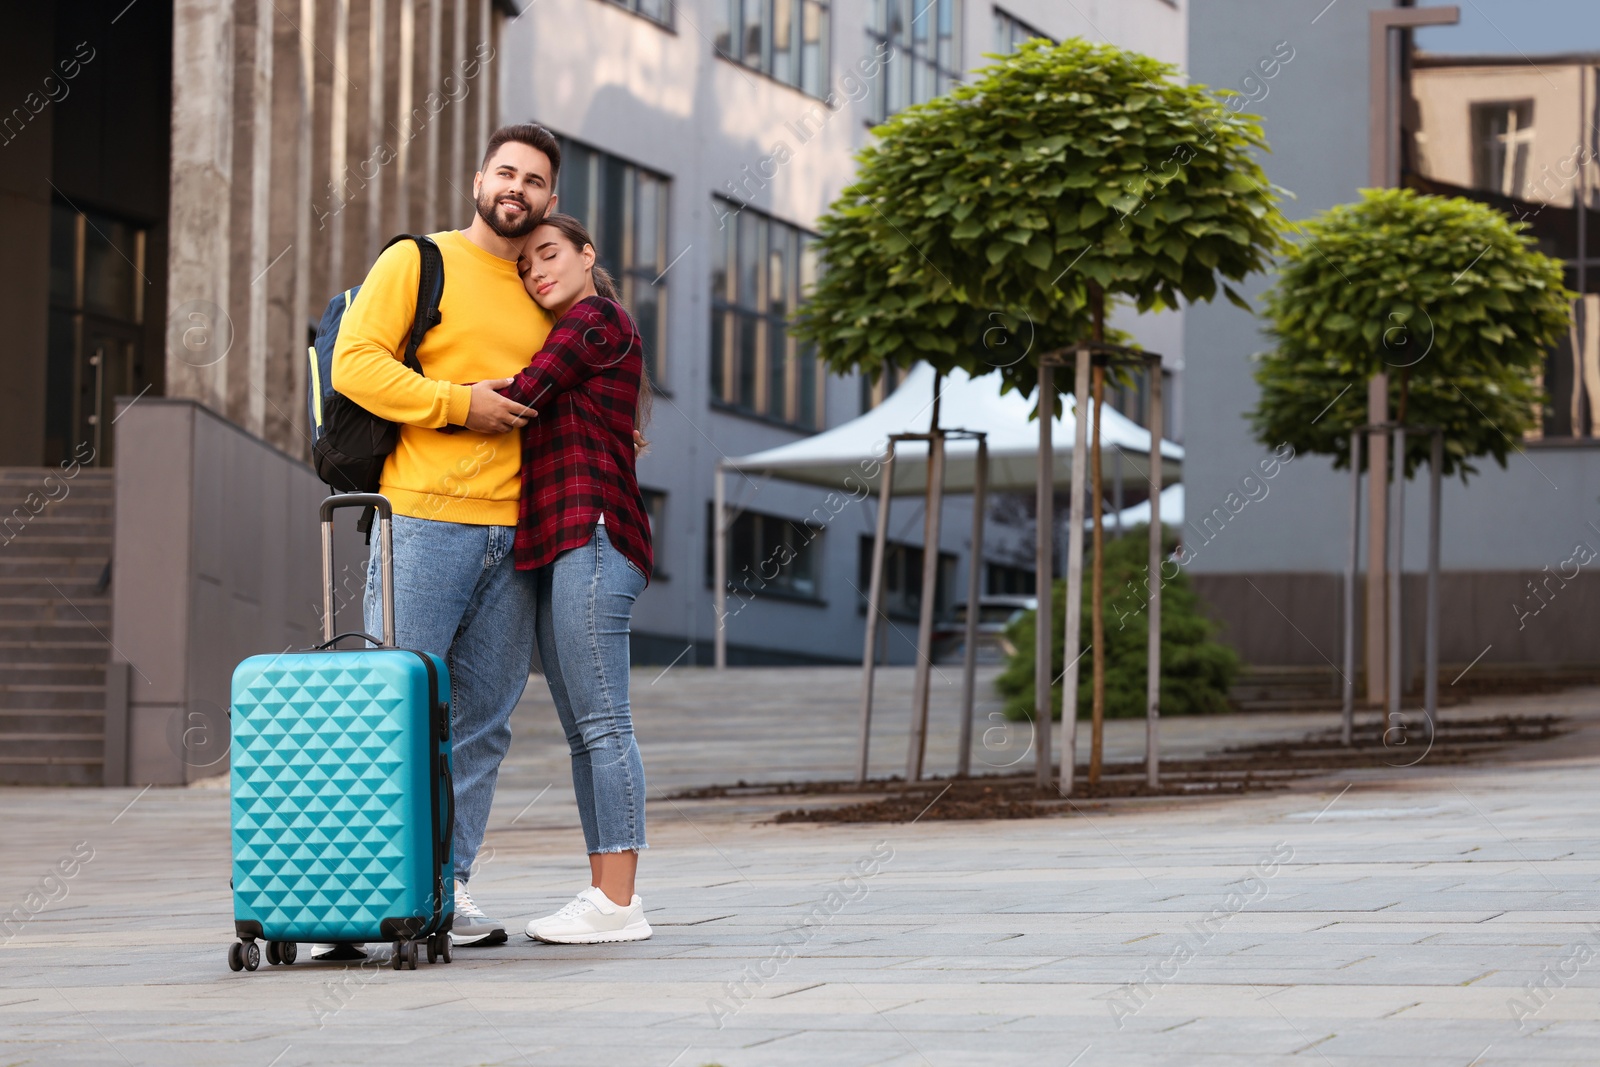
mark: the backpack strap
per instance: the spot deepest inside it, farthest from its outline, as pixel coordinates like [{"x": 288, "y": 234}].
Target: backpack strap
[{"x": 430, "y": 291}]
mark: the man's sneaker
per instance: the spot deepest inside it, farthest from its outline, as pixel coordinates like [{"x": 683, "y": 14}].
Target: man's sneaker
[
  {"x": 592, "y": 919},
  {"x": 340, "y": 952},
  {"x": 471, "y": 926}
]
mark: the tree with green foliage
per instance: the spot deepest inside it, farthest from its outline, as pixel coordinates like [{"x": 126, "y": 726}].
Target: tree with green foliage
[
  {"x": 1007, "y": 209},
  {"x": 1446, "y": 295},
  {"x": 1196, "y": 669},
  {"x": 990, "y": 227}
]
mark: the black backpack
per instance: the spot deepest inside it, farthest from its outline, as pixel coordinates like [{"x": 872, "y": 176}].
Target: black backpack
[{"x": 348, "y": 442}]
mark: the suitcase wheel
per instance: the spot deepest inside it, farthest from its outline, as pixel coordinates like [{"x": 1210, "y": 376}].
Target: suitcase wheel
[
  {"x": 404, "y": 956},
  {"x": 283, "y": 952},
  {"x": 244, "y": 956}
]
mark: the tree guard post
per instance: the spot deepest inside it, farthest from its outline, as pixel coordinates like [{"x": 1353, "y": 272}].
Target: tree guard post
[
  {"x": 1396, "y": 533},
  {"x": 1152, "y": 730},
  {"x": 980, "y": 497},
  {"x": 1044, "y": 549},
  {"x": 1351, "y": 566},
  {"x": 869, "y": 654},
  {"x": 719, "y": 565},
  {"x": 930, "y": 584},
  {"x": 1073, "y": 624}
]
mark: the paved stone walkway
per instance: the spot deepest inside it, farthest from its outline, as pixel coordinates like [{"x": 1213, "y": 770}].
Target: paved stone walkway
[{"x": 1394, "y": 916}]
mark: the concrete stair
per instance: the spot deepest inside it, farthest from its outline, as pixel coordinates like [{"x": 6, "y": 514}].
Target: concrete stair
[{"x": 55, "y": 622}]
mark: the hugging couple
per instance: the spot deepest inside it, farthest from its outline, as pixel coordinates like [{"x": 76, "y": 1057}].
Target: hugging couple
[{"x": 502, "y": 542}]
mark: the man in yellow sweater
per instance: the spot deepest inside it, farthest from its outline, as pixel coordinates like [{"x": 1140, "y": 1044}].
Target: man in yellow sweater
[{"x": 455, "y": 494}]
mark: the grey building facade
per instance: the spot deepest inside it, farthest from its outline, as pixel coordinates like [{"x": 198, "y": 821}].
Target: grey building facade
[{"x": 1271, "y": 572}]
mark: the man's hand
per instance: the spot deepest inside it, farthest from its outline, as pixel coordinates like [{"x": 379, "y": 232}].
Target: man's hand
[{"x": 490, "y": 412}]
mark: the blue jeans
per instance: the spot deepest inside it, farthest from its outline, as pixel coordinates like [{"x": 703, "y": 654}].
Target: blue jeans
[
  {"x": 458, "y": 595},
  {"x": 586, "y": 600}
]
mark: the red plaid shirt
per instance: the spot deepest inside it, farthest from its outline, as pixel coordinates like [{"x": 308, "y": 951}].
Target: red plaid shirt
[{"x": 577, "y": 455}]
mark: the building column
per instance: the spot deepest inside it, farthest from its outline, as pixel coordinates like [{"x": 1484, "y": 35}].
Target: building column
[
  {"x": 289, "y": 240},
  {"x": 201, "y": 185},
  {"x": 252, "y": 178}
]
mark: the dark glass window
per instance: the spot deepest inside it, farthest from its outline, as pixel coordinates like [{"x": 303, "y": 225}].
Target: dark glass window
[
  {"x": 926, "y": 58},
  {"x": 902, "y": 578},
  {"x": 658, "y": 11},
  {"x": 95, "y": 350},
  {"x": 761, "y": 270},
  {"x": 784, "y": 39},
  {"x": 1010, "y": 32},
  {"x": 655, "y": 512},
  {"x": 768, "y": 555},
  {"x": 625, "y": 208}
]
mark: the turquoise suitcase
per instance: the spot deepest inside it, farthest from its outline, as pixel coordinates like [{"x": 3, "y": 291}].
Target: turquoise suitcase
[{"x": 342, "y": 802}]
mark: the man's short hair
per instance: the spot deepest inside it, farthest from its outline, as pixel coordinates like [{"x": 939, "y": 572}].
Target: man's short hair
[{"x": 531, "y": 134}]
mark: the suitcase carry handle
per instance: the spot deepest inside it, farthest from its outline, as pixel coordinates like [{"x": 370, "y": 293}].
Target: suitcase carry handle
[
  {"x": 385, "y": 555},
  {"x": 330, "y": 642}
]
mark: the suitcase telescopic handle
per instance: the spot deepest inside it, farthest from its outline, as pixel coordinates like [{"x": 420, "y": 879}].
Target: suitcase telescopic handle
[{"x": 385, "y": 557}]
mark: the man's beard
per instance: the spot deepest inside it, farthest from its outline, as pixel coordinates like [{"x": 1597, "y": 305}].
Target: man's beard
[{"x": 488, "y": 209}]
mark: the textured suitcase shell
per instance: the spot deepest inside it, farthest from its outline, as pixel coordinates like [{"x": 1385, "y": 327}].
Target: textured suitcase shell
[{"x": 335, "y": 796}]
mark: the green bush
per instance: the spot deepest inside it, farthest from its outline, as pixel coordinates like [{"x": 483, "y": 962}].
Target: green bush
[{"x": 1196, "y": 670}]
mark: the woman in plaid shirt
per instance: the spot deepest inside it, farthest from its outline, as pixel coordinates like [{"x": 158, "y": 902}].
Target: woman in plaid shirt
[{"x": 581, "y": 527}]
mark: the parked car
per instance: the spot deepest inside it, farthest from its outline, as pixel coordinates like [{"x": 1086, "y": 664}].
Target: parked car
[{"x": 995, "y": 613}]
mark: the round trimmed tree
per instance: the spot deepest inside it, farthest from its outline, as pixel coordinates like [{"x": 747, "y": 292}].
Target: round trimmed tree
[
  {"x": 991, "y": 226},
  {"x": 1447, "y": 296}
]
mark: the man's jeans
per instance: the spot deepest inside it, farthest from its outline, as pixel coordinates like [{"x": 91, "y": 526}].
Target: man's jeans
[
  {"x": 458, "y": 595},
  {"x": 586, "y": 600}
]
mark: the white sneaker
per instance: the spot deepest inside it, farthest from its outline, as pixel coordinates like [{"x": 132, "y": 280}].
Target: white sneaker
[
  {"x": 342, "y": 952},
  {"x": 591, "y": 919}
]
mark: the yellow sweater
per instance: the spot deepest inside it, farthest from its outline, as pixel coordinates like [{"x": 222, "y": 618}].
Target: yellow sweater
[{"x": 488, "y": 328}]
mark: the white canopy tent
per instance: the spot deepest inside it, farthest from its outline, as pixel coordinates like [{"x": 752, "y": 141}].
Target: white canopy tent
[
  {"x": 1171, "y": 511},
  {"x": 978, "y": 438},
  {"x": 843, "y": 456}
]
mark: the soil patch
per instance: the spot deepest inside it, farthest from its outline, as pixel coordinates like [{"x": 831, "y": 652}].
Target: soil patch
[{"x": 1239, "y": 769}]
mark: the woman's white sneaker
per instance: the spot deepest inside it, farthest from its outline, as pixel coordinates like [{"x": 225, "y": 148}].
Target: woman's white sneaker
[{"x": 591, "y": 919}]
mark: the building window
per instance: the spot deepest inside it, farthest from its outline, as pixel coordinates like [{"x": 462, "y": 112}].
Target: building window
[
  {"x": 1132, "y": 399},
  {"x": 655, "y": 513},
  {"x": 1010, "y": 32},
  {"x": 658, "y": 11},
  {"x": 902, "y": 579},
  {"x": 96, "y": 329},
  {"x": 768, "y": 555},
  {"x": 625, "y": 208},
  {"x": 1502, "y": 140},
  {"x": 1572, "y": 374},
  {"x": 875, "y": 391},
  {"x": 761, "y": 270},
  {"x": 1003, "y": 579},
  {"x": 925, "y": 60},
  {"x": 783, "y": 39}
]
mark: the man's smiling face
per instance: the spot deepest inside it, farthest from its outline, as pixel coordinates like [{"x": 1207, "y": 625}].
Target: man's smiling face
[{"x": 513, "y": 189}]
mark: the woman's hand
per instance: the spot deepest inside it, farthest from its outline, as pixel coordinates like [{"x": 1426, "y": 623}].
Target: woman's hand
[{"x": 640, "y": 445}]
